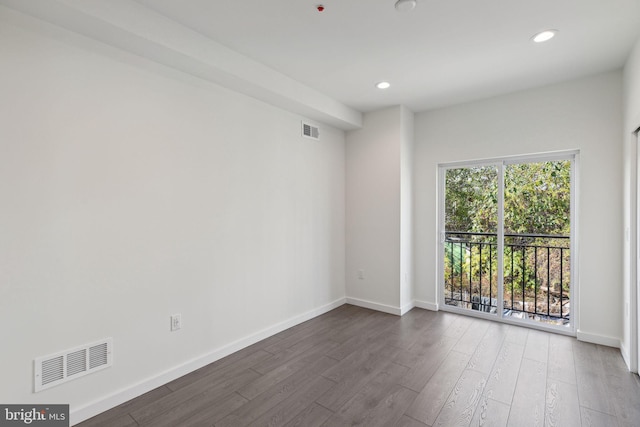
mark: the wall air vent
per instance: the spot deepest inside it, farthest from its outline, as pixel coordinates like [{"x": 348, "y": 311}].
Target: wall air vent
[
  {"x": 310, "y": 131},
  {"x": 64, "y": 366}
]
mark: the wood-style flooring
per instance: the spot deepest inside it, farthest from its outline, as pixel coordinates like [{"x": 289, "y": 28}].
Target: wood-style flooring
[{"x": 357, "y": 367}]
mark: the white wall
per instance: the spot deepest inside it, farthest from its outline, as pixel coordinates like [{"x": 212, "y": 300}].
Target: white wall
[
  {"x": 374, "y": 184},
  {"x": 130, "y": 192},
  {"x": 632, "y": 90},
  {"x": 373, "y": 210},
  {"x": 631, "y": 77},
  {"x": 585, "y": 115}
]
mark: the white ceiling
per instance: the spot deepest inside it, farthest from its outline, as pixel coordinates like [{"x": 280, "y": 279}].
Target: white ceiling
[
  {"x": 324, "y": 66},
  {"x": 443, "y": 52}
]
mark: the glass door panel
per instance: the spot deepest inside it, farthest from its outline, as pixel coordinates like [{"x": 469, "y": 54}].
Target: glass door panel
[
  {"x": 470, "y": 238},
  {"x": 537, "y": 229}
]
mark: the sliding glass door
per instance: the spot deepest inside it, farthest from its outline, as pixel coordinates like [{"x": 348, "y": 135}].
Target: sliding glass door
[{"x": 505, "y": 239}]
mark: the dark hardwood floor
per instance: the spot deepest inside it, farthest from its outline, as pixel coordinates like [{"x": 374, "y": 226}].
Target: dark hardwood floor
[{"x": 354, "y": 366}]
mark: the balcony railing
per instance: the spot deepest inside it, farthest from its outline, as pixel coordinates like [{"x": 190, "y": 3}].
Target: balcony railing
[{"x": 537, "y": 274}]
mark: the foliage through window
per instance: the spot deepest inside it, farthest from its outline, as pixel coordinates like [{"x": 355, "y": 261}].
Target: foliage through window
[{"x": 536, "y": 223}]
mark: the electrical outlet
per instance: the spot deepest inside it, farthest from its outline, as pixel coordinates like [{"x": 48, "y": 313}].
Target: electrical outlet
[
  {"x": 361, "y": 274},
  {"x": 176, "y": 322}
]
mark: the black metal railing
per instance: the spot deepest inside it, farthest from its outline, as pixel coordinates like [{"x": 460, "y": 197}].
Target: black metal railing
[{"x": 536, "y": 274}]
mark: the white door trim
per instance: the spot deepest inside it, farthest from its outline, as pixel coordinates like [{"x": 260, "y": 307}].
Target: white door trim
[{"x": 634, "y": 247}]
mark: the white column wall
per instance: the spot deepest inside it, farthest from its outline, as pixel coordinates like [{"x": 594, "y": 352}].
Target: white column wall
[
  {"x": 373, "y": 211},
  {"x": 406, "y": 210}
]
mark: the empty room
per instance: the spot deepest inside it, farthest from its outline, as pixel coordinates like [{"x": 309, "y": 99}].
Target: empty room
[{"x": 319, "y": 213}]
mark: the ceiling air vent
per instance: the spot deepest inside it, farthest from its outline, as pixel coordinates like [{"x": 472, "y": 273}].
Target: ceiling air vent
[
  {"x": 309, "y": 131},
  {"x": 64, "y": 366}
]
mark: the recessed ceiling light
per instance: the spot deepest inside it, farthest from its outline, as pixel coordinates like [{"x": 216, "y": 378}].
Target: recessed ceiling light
[
  {"x": 383, "y": 85},
  {"x": 544, "y": 36},
  {"x": 405, "y": 5}
]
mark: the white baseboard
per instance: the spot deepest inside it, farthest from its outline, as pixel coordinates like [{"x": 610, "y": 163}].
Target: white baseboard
[
  {"x": 624, "y": 351},
  {"x": 598, "y": 339},
  {"x": 426, "y": 305},
  {"x": 398, "y": 311},
  {"x": 94, "y": 408},
  {"x": 375, "y": 306},
  {"x": 406, "y": 308}
]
